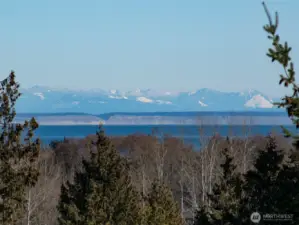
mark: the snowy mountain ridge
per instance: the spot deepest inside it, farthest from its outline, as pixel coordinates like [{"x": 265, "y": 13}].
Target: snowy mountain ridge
[{"x": 42, "y": 99}]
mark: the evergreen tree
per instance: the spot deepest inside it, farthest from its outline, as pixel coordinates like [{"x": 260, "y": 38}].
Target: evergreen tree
[
  {"x": 225, "y": 199},
  {"x": 262, "y": 185},
  {"x": 271, "y": 188},
  {"x": 101, "y": 193},
  {"x": 18, "y": 159},
  {"x": 161, "y": 208}
]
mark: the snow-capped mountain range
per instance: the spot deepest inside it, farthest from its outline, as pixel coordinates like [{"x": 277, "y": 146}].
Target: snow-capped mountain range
[{"x": 40, "y": 99}]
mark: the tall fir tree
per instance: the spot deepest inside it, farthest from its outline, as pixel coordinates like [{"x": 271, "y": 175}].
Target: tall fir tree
[
  {"x": 225, "y": 198},
  {"x": 161, "y": 208},
  {"x": 18, "y": 158},
  {"x": 272, "y": 188},
  {"x": 102, "y": 193}
]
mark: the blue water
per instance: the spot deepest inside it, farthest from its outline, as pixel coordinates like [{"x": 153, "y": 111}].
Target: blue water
[{"x": 188, "y": 133}]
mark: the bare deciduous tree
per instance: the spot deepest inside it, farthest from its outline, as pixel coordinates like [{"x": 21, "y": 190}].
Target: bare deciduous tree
[{"x": 42, "y": 199}]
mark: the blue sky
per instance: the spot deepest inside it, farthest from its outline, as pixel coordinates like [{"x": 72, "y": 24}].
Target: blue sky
[{"x": 162, "y": 44}]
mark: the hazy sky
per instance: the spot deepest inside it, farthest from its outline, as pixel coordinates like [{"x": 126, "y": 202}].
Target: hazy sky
[{"x": 163, "y": 44}]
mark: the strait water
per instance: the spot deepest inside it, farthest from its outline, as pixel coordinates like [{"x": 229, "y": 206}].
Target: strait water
[{"x": 188, "y": 133}]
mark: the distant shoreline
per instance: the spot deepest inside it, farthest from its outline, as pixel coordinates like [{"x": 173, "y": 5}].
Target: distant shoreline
[{"x": 159, "y": 119}]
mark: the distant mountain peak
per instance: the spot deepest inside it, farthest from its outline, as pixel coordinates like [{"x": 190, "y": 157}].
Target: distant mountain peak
[
  {"x": 192, "y": 93},
  {"x": 258, "y": 101},
  {"x": 202, "y": 104},
  {"x": 52, "y": 100},
  {"x": 144, "y": 100},
  {"x": 42, "y": 97},
  {"x": 113, "y": 91}
]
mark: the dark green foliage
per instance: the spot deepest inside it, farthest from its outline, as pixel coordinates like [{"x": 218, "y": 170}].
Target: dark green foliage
[
  {"x": 18, "y": 170},
  {"x": 225, "y": 199},
  {"x": 273, "y": 186},
  {"x": 101, "y": 193},
  {"x": 161, "y": 209},
  {"x": 260, "y": 182}
]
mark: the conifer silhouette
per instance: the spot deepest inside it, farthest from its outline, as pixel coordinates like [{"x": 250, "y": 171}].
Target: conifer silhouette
[
  {"x": 18, "y": 158},
  {"x": 161, "y": 207},
  {"x": 101, "y": 193},
  {"x": 225, "y": 198}
]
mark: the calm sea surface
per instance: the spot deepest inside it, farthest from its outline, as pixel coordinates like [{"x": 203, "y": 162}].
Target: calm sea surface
[{"x": 188, "y": 133}]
